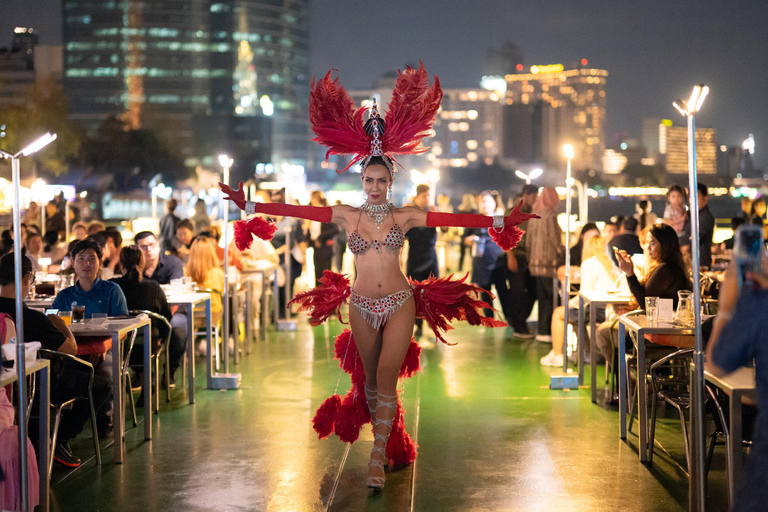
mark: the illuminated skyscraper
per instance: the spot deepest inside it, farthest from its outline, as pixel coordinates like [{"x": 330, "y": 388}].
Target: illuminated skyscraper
[
  {"x": 207, "y": 76},
  {"x": 548, "y": 106},
  {"x": 673, "y": 147}
]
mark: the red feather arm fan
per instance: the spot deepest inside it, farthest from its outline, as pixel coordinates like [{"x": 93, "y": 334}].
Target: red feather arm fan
[
  {"x": 324, "y": 300},
  {"x": 346, "y": 416},
  {"x": 411, "y": 113},
  {"x": 335, "y": 121},
  {"x": 442, "y": 300}
]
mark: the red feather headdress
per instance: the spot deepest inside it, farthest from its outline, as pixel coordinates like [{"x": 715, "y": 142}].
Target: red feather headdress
[{"x": 409, "y": 118}]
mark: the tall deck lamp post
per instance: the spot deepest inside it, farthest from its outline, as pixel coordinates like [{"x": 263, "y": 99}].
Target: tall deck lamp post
[
  {"x": 226, "y": 163},
  {"x": 696, "y": 486},
  {"x": 569, "y": 153},
  {"x": 32, "y": 148}
]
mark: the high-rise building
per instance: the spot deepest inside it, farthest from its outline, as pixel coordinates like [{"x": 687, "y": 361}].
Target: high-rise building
[
  {"x": 24, "y": 63},
  {"x": 207, "y": 76},
  {"x": 673, "y": 148},
  {"x": 548, "y": 106}
]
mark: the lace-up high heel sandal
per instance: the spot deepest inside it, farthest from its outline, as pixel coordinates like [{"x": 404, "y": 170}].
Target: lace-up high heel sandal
[{"x": 381, "y": 431}]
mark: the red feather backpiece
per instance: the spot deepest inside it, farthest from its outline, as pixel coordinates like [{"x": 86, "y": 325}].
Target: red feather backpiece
[
  {"x": 442, "y": 300},
  {"x": 411, "y": 113},
  {"x": 346, "y": 416},
  {"x": 335, "y": 121}
]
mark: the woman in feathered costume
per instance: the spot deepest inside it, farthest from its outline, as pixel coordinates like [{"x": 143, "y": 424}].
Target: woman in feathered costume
[{"x": 380, "y": 347}]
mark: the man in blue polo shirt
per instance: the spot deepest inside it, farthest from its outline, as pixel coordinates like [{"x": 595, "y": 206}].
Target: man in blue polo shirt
[{"x": 97, "y": 295}]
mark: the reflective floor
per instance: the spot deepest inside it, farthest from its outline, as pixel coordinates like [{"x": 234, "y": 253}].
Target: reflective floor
[{"x": 491, "y": 436}]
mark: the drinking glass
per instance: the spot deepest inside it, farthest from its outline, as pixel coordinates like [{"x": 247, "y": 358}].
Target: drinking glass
[
  {"x": 66, "y": 316},
  {"x": 189, "y": 284},
  {"x": 98, "y": 319},
  {"x": 652, "y": 310},
  {"x": 78, "y": 314}
]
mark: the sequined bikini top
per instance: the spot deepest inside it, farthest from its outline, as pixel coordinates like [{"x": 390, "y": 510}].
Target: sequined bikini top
[{"x": 393, "y": 242}]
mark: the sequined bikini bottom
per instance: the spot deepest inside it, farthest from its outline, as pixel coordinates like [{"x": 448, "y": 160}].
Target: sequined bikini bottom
[{"x": 377, "y": 311}]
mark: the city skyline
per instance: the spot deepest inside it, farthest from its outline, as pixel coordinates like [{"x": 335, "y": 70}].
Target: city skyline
[{"x": 654, "y": 53}]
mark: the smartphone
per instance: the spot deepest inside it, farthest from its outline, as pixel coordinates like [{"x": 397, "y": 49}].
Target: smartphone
[
  {"x": 51, "y": 311},
  {"x": 748, "y": 250}
]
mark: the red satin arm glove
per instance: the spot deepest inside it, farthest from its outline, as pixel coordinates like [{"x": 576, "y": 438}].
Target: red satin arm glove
[
  {"x": 316, "y": 213},
  {"x": 507, "y": 236},
  {"x": 471, "y": 220}
]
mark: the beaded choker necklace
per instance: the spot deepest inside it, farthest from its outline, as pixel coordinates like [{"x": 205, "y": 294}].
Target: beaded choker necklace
[{"x": 377, "y": 212}]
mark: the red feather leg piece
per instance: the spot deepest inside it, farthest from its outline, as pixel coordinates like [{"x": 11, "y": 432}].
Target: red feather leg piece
[
  {"x": 439, "y": 301},
  {"x": 325, "y": 417},
  {"x": 324, "y": 300},
  {"x": 411, "y": 363},
  {"x": 352, "y": 415},
  {"x": 412, "y": 112},
  {"x": 508, "y": 238},
  {"x": 401, "y": 450},
  {"x": 336, "y": 122}
]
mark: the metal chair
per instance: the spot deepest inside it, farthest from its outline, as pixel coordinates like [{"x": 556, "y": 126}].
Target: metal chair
[
  {"x": 155, "y": 359},
  {"x": 673, "y": 388},
  {"x": 125, "y": 376},
  {"x": 215, "y": 329},
  {"x": 58, "y": 408}
]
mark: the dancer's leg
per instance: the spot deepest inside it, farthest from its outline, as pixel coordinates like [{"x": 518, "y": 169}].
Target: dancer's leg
[
  {"x": 368, "y": 341},
  {"x": 397, "y": 335}
]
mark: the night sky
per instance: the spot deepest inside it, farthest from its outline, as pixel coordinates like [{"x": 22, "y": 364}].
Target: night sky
[{"x": 654, "y": 50}]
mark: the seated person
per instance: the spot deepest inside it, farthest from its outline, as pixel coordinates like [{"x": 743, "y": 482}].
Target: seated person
[
  {"x": 161, "y": 268},
  {"x": 205, "y": 270},
  {"x": 79, "y": 230},
  {"x": 51, "y": 248},
  {"x": 597, "y": 273},
  {"x": 34, "y": 250},
  {"x": 112, "y": 259},
  {"x": 665, "y": 278},
  {"x": 53, "y": 334},
  {"x": 641, "y": 262},
  {"x": 180, "y": 244},
  {"x": 740, "y": 337},
  {"x": 627, "y": 240},
  {"x": 727, "y": 245},
  {"x": 141, "y": 293},
  {"x": 97, "y": 295}
]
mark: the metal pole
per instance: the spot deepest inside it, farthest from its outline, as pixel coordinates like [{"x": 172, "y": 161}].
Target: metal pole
[
  {"x": 567, "y": 282},
  {"x": 697, "y": 491},
  {"x": 20, "y": 356},
  {"x": 66, "y": 221},
  {"x": 225, "y": 214}
]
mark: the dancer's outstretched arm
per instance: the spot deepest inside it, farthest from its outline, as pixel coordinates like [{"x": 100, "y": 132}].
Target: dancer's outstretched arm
[
  {"x": 503, "y": 230},
  {"x": 316, "y": 213},
  {"x": 420, "y": 218}
]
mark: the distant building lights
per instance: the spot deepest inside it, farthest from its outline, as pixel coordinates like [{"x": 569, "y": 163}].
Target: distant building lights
[
  {"x": 267, "y": 107},
  {"x": 749, "y": 144},
  {"x": 623, "y": 146},
  {"x": 584, "y": 62},
  {"x": 519, "y": 67}
]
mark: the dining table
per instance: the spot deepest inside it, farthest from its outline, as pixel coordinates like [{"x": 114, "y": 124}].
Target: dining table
[
  {"x": 189, "y": 300},
  {"x": 596, "y": 299},
  {"x": 42, "y": 368},
  {"x": 116, "y": 329}
]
